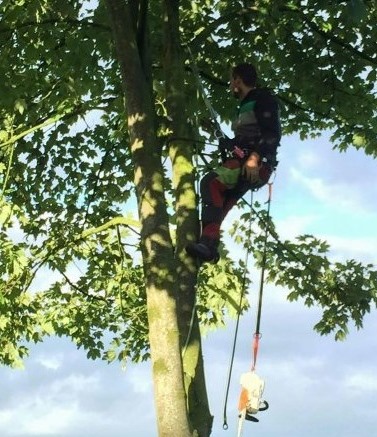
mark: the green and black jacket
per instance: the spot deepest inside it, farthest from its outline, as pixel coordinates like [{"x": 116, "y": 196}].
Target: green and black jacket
[{"x": 257, "y": 124}]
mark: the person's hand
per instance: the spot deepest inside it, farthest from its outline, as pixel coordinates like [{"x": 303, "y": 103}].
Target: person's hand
[{"x": 251, "y": 168}]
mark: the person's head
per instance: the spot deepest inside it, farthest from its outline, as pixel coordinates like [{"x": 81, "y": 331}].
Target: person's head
[{"x": 243, "y": 79}]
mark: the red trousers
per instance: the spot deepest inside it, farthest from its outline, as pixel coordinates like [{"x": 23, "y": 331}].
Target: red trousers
[{"x": 220, "y": 191}]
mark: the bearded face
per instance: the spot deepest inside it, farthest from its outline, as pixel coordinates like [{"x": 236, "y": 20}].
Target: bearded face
[{"x": 234, "y": 86}]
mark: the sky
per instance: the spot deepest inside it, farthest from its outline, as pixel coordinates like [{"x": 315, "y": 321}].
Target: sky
[{"x": 314, "y": 385}]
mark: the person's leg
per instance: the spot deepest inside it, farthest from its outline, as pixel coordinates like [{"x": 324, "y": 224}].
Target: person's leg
[
  {"x": 212, "y": 196},
  {"x": 213, "y": 192},
  {"x": 220, "y": 191},
  {"x": 214, "y": 187},
  {"x": 233, "y": 195}
]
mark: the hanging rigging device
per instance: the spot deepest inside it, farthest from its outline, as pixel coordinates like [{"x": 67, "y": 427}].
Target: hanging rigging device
[{"x": 252, "y": 385}]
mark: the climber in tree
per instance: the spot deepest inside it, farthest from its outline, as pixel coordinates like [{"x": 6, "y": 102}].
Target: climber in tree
[{"x": 250, "y": 158}]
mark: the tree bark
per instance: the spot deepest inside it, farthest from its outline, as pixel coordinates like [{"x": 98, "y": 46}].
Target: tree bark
[
  {"x": 181, "y": 154},
  {"x": 156, "y": 245}
]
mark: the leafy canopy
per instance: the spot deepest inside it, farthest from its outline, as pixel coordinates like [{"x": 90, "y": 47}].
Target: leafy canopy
[{"x": 66, "y": 172}]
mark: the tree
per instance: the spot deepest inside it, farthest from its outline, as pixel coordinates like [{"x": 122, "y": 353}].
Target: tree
[{"x": 97, "y": 97}]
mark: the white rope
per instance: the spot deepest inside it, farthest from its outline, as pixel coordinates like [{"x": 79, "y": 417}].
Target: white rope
[{"x": 218, "y": 132}]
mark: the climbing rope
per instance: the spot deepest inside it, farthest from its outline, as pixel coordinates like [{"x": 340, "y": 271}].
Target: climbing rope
[
  {"x": 252, "y": 386},
  {"x": 257, "y": 335},
  {"x": 218, "y": 132},
  {"x": 243, "y": 291}
]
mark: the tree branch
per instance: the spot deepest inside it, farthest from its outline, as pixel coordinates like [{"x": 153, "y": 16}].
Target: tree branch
[
  {"x": 32, "y": 129},
  {"x": 54, "y": 21},
  {"x": 223, "y": 19},
  {"x": 333, "y": 38},
  {"x": 113, "y": 222},
  {"x": 212, "y": 26},
  {"x": 80, "y": 290},
  {"x": 79, "y": 109}
]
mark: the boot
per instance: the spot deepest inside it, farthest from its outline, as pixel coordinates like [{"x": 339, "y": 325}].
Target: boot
[{"x": 205, "y": 250}]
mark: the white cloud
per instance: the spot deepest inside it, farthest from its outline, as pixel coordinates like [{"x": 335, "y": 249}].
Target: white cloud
[
  {"x": 49, "y": 362},
  {"x": 36, "y": 416},
  {"x": 73, "y": 384},
  {"x": 140, "y": 380},
  {"x": 310, "y": 160},
  {"x": 362, "y": 382},
  {"x": 294, "y": 225},
  {"x": 363, "y": 249},
  {"x": 295, "y": 375},
  {"x": 5, "y": 416},
  {"x": 40, "y": 421},
  {"x": 342, "y": 180},
  {"x": 339, "y": 195}
]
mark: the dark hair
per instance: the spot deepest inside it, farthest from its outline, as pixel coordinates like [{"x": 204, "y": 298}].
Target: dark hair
[{"x": 246, "y": 72}]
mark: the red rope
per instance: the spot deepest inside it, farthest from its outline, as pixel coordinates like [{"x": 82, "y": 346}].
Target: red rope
[{"x": 257, "y": 337}]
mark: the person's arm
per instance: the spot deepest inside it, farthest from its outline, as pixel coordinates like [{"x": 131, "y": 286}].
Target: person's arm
[{"x": 267, "y": 114}]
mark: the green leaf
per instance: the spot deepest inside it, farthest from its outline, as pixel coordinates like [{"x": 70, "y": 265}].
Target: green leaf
[
  {"x": 358, "y": 140},
  {"x": 20, "y": 105}
]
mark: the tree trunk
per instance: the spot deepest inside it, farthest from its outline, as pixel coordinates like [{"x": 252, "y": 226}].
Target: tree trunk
[
  {"x": 181, "y": 153},
  {"x": 156, "y": 245}
]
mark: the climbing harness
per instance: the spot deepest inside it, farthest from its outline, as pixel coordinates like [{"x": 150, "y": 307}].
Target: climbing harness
[{"x": 252, "y": 385}]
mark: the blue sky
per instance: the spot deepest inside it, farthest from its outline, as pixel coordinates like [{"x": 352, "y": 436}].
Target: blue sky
[{"x": 315, "y": 386}]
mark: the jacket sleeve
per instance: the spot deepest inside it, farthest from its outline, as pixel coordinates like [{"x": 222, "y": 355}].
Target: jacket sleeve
[{"x": 267, "y": 115}]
